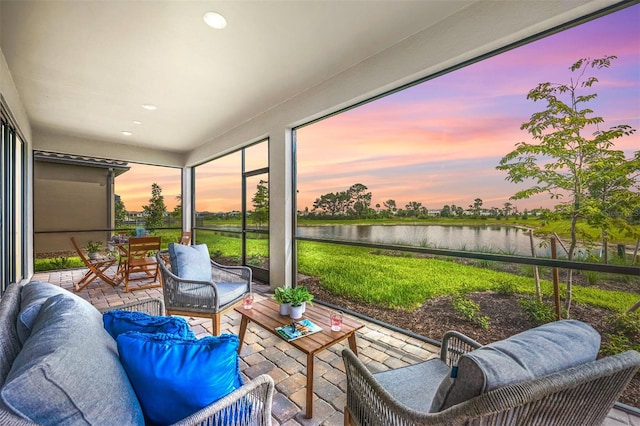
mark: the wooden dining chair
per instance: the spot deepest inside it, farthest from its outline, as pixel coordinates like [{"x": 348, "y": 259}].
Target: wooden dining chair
[
  {"x": 141, "y": 262},
  {"x": 97, "y": 268}
]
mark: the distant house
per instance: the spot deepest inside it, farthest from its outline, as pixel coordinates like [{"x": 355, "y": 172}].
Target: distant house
[{"x": 73, "y": 196}]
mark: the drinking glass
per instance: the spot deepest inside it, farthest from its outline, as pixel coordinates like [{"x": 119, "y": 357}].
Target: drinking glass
[
  {"x": 247, "y": 301},
  {"x": 336, "y": 321}
]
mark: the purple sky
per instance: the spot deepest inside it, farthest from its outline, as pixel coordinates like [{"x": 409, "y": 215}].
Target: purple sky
[{"x": 439, "y": 142}]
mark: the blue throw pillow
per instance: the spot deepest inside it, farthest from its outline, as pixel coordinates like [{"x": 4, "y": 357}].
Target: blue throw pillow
[
  {"x": 117, "y": 322},
  {"x": 190, "y": 262},
  {"x": 173, "y": 378}
]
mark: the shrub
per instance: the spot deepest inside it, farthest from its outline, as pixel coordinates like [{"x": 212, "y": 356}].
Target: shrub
[
  {"x": 626, "y": 323},
  {"x": 60, "y": 262},
  {"x": 593, "y": 277},
  {"x": 470, "y": 310},
  {"x": 505, "y": 287},
  {"x": 538, "y": 312},
  {"x": 618, "y": 343}
]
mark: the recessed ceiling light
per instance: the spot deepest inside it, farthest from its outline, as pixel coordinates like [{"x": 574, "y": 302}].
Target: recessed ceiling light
[
  {"x": 215, "y": 20},
  {"x": 149, "y": 107},
  {"x": 127, "y": 133},
  {"x": 137, "y": 122}
]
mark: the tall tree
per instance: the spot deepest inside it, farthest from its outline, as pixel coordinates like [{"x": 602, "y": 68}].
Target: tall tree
[
  {"x": 331, "y": 203},
  {"x": 360, "y": 199},
  {"x": 120, "y": 211},
  {"x": 507, "y": 209},
  {"x": 177, "y": 210},
  {"x": 476, "y": 206},
  {"x": 260, "y": 202},
  {"x": 156, "y": 209},
  {"x": 390, "y": 205},
  {"x": 413, "y": 208},
  {"x": 562, "y": 159}
]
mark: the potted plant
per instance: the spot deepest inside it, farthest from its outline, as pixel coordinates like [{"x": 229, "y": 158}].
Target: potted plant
[
  {"x": 300, "y": 296},
  {"x": 93, "y": 248},
  {"x": 302, "y": 293},
  {"x": 282, "y": 295}
]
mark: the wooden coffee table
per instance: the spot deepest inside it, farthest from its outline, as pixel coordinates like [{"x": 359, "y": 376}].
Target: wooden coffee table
[{"x": 266, "y": 314}]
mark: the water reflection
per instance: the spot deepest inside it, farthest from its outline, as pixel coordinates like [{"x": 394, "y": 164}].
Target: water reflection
[{"x": 496, "y": 239}]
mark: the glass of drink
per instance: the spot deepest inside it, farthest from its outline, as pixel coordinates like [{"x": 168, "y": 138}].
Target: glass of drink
[
  {"x": 247, "y": 301},
  {"x": 336, "y": 321}
]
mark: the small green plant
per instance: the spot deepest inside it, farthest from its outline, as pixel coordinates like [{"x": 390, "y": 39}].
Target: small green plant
[
  {"x": 618, "y": 343},
  {"x": 254, "y": 261},
  {"x": 93, "y": 246},
  {"x": 60, "y": 262},
  {"x": 538, "y": 312},
  {"x": 470, "y": 310},
  {"x": 627, "y": 323},
  {"x": 506, "y": 287},
  {"x": 593, "y": 277}
]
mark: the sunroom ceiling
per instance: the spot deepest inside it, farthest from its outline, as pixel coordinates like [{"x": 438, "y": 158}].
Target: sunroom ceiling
[{"x": 85, "y": 68}]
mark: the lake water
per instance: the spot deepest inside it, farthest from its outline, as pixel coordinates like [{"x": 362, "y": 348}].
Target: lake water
[{"x": 496, "y": 239}]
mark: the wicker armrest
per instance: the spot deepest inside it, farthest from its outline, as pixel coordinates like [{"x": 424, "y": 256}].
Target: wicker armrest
[
  {"x": 148, "y": 306},
  {"x": 248, "y": 405},
  {"x": 454, "y": 345}
]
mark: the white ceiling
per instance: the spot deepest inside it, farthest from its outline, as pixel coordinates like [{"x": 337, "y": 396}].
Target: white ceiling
[{"x": 84, "y": 68}]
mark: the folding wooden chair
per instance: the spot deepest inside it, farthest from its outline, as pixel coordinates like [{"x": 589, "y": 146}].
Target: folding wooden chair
[
  {"x": 97, "y": 268},
  {"x": 141, "y": 260}
]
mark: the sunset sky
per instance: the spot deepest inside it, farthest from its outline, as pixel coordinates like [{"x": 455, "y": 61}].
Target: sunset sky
[{"x": 439, "y": 142}]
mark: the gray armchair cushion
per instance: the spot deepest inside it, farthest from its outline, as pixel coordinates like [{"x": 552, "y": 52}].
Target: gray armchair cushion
[
  {"x": 414, "y": 384},
  {"x": 196, "y": 295},
  {"x": 531, "y": 354},
  {"x": 68, "y": 371},
  {"x": 190, "y": 262}
]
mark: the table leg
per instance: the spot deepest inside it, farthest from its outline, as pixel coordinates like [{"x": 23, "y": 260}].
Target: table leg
[
  {"x": 309, "y": 407},
  {"x": 243, "y": 330},
  {"x": 352, "y": 344}
]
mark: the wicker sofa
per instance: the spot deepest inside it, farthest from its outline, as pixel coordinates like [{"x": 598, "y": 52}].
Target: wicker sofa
[{"x": 59, "y": 366}]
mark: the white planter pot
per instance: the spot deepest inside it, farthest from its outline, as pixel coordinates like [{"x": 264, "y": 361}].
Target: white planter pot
[
  {"x": 296, "y": 312},
  {"x": 94, "y": 255},
  {"x": 285, "y": 308}
]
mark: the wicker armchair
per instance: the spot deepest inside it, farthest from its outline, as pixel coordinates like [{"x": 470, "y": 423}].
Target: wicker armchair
[
  {"x": 209, "y": 299},
  {"x": 247, "y": 405},
  {"x": 580, "y": 395}
]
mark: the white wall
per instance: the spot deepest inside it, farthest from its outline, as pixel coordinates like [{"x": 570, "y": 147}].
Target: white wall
[{"x": 478, "y": 30}]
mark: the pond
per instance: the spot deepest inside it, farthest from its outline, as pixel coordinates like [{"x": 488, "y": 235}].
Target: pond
[{"x": 494, "y": 239}]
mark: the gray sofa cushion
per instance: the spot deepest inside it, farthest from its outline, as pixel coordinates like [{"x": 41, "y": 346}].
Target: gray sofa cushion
[
  {"x": 9, "y": 343},
  {"x": 33, "y": 296},
  {"x": 410, "y": 385},
  {"x": 533, "y": 353},
  {"x": 68, "y": 371}
]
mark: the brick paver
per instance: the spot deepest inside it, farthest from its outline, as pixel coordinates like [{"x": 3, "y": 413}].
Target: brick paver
[{"x": 263, "y": 353}]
